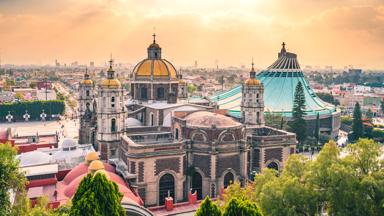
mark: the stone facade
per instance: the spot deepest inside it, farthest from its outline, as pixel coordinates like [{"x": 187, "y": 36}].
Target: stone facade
[
  {"x": 169, "y": 147},
  {"x": 252, "y": 102},
  {"x": 111, "y": 114},
  {"x": 86, "y": 111},
  {"x": 269, "y": 148}
]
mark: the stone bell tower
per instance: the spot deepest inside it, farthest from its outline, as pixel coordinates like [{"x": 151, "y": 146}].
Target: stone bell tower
[{"x": 252, "y": 103}]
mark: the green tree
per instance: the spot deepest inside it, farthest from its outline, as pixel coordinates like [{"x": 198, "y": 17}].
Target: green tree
[
  {"x": 96, "y": 195},
  {"x": 238, "y": 207},
  {"x": 19, "y": 96},
  {"x": 41, "y": 208},
  {"x": 34, "y": 108},
  {"x": 369, "y": 114},
  {"x": 289, "y": 194},
  {"x": 352, "y": 184},
  {"x": 208, "y": 208},
  {"x": 298, "y": 125},
  {"x": 11, "y": 179},
  {"x": 32, "y": 85},
  {"x": 357, "y": 123},
  {"x": 328, "y": 98},
  {"x": 191, "y": 88},
  {"x": 275, "y": 120},
  {"x": 357, "y": 182}
]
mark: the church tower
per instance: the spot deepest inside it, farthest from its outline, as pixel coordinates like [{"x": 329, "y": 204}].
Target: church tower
[
  {"x": 86, "y": 97},
  {"x": 110, "y": 115},
  {"x": 252, "y": 103}
]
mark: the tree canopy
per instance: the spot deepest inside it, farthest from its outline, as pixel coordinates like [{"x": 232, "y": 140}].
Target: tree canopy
[
  {"x": 11, "y": 179},
  {"x": 298, "y": 125},
  {"x": 357, "y": 123},
  {"x": 208, "y": 208},
  {"x": 348, "y": 182},
  {"x": 96, "y": 195}
]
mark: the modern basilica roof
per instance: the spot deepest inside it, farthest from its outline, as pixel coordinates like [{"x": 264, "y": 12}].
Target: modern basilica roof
[{"x": 279, "y": 80}]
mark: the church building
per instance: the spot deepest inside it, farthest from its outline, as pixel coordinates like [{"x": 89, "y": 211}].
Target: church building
[{"x": 167, "y": 146}]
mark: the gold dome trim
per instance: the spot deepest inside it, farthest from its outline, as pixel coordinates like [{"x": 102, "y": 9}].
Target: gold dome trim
[
  {"x": 91, "y": 156},
  {"x": 252, "y": 82},
  {"x": 110, "y": 83},
  {"x": 160, "y": 68},
  {"x": 87, "y": 82},
  {"x": 96, "y": 165}
]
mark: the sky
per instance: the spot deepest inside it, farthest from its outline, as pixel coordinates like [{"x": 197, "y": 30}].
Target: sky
[{"x": 226, "y": 32}]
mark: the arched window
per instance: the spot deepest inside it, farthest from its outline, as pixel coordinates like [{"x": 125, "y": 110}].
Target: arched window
[
  {"x": 160, "y": 93},
  {"x": 177, "y": 133},
  {"x": 273, "y": 165},
  {"x": 166, "y": 185},
  {"x": 112, "y": 101},
  {"x": 113, "y": 125},
  {"x": 152, "y": 120},
  {"x": 197, "y": 185},
  {"x": 228, "y": 179},
  {"x": 143, "y": 93},
  {"x": 258, "y": 117},
  {"x": 87, "y": 93}
]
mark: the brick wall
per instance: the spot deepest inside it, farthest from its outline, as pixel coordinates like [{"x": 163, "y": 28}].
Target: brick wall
[{"x": 167, "y": 163}]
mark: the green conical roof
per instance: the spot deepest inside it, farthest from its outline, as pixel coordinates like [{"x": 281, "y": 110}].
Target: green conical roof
[{"x": 279, "y": 80}]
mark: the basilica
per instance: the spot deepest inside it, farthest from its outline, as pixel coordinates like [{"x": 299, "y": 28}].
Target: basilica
[{"x": 165, "y": 145}]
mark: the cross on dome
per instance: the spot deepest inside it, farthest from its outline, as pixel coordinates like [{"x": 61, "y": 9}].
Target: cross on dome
[{"x": 154, "y": 38}]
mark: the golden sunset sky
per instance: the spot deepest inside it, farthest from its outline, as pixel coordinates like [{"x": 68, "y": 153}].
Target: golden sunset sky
[{"x": 321, "y": 32}]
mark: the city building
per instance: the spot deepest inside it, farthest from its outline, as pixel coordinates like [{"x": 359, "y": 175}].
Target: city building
[
  {"x": 27, "y": 142},
  {"x": 280, "y": 80},
  {"x": 165, "y": 145}
]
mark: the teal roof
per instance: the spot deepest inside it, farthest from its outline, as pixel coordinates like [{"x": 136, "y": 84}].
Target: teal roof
[{"x": 279, "y": 80}]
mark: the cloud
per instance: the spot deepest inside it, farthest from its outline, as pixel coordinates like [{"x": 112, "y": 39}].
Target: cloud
[{"x": 232, "y": 32}]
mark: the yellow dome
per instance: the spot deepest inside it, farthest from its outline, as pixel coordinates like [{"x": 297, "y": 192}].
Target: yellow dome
[
  {"x": 87, "y": 82},
  {"x": 252, "y": 82},
  {"x": 91, "y": 156},
  {"x": 159, "y": 68},
  {"x": 110, "y": 83},
  {"x": 96, "y": 165}
]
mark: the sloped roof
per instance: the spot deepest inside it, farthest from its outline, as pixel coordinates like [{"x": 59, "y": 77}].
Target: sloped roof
[{"x": 279, "y": 80}]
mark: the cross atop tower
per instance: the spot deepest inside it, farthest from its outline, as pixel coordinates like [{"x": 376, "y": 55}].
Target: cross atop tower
[
  {"x": 86, "y": 75},
  {"x": 154, "y": 38},
  {"x": 110, "y": 62},
  {"x": 253, "y": 64},
  {"x": 283, "y": 51}
]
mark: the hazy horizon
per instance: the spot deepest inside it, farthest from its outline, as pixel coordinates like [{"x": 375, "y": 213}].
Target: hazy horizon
[{"x": 341, "y": 33}]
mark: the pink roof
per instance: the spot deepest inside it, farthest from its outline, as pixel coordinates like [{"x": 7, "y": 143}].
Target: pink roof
[
  {"x": 68, "y": 187},
  {"x": 83, "y": 169}
]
